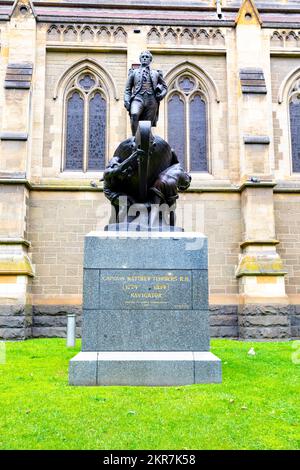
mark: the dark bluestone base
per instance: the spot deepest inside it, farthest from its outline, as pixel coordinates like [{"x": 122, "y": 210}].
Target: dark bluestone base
[
  {"x": 50, "y": 321},
  {"x": 15, "y": 322},
  {"x": 145, "y": 312},
  {"x": 264, "y": 322}
]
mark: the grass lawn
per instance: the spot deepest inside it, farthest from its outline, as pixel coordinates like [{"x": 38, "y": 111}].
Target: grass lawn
[{"x": 256, "y": 407}]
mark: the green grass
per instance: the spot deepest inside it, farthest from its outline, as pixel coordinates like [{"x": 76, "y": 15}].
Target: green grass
[{"x": 256, "y": 407}]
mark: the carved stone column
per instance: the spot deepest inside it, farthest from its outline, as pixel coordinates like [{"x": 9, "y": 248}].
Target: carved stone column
[
  {"x": 263, "y": 310},
  {"x": 16, "y": 271}
]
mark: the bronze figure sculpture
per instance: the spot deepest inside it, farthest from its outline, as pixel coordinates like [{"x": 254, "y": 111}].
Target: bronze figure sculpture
[
  {"x": 145, "y": 88},
  {"x": 143, "y": 178}
]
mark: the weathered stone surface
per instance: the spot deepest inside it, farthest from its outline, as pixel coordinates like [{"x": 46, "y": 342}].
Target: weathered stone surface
[
  {"x": 295, "y": 320},
  {"x": 15, "y": 322},
  {"x": 51, "y": 320},
  {"x": 223, "y": 320},
  {"x": 12, "y": 321},
  {"x": 56, "y": 310},
  {"x": 49, "y": 332},
  {"x": 265, "y": 333},
  {"x": 223, "y": 309},
  {"x": 264, "y": 321},
  {"x": 296, "y": 309},
  {"x": 224, "y": 331},
  {"x": 52, "y": 332},
  {"x": 13, "y": 333},
  {"x": 17, "y": 309},
  {"x": 261, "y": 309},
  {"x": 295, "y": 332}
]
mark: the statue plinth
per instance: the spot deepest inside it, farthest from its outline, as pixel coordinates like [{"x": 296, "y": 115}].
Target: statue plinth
[{"x": 145, "y": 311}]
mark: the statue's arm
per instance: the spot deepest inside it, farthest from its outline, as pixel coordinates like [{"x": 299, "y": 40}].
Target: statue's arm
[
  {"x": 163, "y": 87},
  {"x": 128, "y": 89}
]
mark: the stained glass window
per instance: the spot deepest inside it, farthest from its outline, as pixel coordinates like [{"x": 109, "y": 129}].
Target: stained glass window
[
  {"x": 97, "y": 120},
  {"x": 75, "y": 132},
  {"x": 187, "y": 123},
  {"x": 87, "y": 82},
  {"x": 186, "y": 84},
  {"x": 86, "y": 116},
  {"x": 295, "y": 132},
  {"x": 198, "y": 134},
  {"x": 176, "y": 126}
]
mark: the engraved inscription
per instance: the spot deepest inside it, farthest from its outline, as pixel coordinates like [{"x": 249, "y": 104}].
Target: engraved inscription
[{"x": 134, "y": 289}]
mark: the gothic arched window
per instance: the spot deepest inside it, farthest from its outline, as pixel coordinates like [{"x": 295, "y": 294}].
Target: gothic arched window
[
  {"x": 85, "y": 124},
  {"x": 294, "y": 110},
  {"x": 187, "y": 122}
]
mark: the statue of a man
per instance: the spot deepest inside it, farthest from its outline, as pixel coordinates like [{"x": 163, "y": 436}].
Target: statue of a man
[{"x": 145, "y": 88}]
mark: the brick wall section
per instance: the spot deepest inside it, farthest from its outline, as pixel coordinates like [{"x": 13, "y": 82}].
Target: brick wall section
[
  {"x": 287, "y": 224},
  {"x": 59, "y": 220},
  {"x": 12, "y": 198},
  {"x": 281, "y": 67},
  {"x": 57, "y": 63},
  {"x": 223, "y": 228}
]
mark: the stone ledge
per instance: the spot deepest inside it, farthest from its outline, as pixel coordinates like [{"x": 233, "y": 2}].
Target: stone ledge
[
  {"x": 256, "y": 139},
  {"x": 15, "y": 241},
  {"x": 14, "y": 136},
  {"x": 16, "y": 264},
  {"x": 260, "y": 265},
  {"x": 246, "y": 243}
]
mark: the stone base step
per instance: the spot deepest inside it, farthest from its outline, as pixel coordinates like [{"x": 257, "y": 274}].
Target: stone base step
[{"x": 154, "y": 368}]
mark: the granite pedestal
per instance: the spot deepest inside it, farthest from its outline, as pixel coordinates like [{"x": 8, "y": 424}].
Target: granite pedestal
[{"x": 145, "y": 311}]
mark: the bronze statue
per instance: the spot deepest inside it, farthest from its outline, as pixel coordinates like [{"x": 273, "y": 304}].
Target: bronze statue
[
  {"x": 145, "y": 88},
  {"x": 144, "y": 171},
  {"x": 143, "y": 178}
]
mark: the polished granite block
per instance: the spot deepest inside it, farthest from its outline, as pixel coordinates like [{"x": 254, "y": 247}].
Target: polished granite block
[
  {"x": 145, "y": 311},
  {"x": 145, "y": 330}
]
